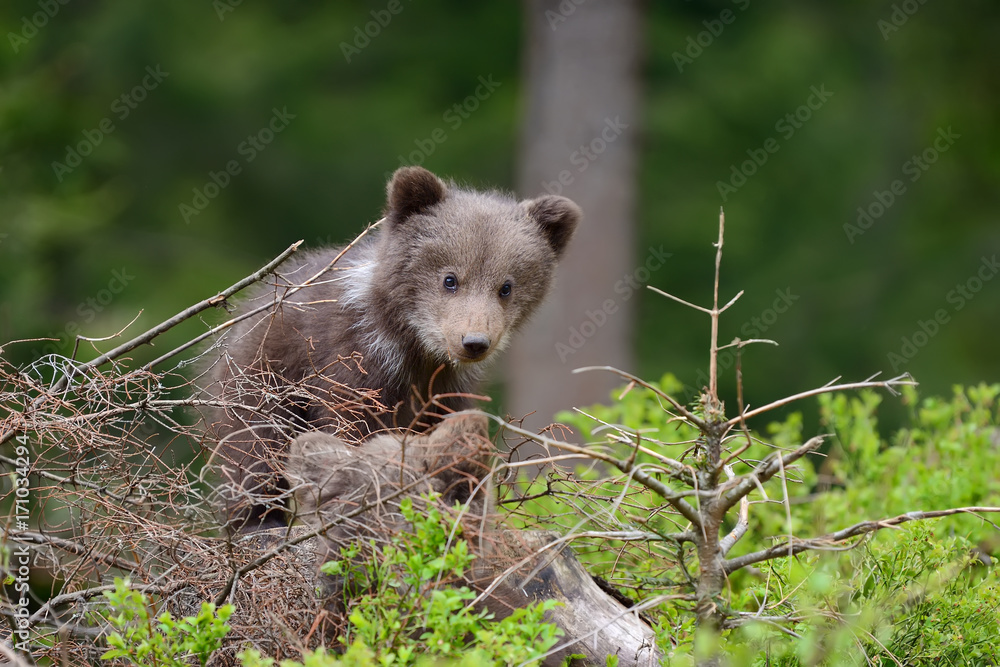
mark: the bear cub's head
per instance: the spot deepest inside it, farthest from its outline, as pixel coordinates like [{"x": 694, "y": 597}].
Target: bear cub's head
[{"x": 461, "y": 270}]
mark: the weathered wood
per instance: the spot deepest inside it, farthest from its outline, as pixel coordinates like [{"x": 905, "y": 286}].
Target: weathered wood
[{"x": 595, "y": 624}]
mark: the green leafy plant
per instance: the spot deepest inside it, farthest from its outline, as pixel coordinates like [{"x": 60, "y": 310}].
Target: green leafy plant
[
  {"x": 143, "y": 640},
  {"x": 924, "y": 594},
  {"x": 407, "y": 606},
  {"x": 358, "y": 655},
  {"x": 766, "y": 545}
]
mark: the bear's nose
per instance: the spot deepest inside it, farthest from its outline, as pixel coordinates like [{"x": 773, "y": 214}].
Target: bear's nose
[{"x": 475, "y": 344}]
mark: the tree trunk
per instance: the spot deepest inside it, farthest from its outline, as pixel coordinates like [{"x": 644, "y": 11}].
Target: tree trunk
[{"x": 578, "y": 139}]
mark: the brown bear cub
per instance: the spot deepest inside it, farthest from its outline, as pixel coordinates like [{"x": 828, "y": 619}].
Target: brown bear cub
[{"x": 408, "y": 314}]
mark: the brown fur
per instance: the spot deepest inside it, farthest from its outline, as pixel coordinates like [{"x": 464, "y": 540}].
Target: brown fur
[
  {"x": 331, "y": 478},
  {"x": 384, "y": 323}
]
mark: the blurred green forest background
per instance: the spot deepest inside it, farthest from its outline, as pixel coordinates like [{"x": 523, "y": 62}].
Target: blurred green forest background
[{"x": 84, "y": 248}]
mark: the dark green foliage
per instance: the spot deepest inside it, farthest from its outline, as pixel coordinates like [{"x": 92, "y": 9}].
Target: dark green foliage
[{"x": 322, "y": 178}]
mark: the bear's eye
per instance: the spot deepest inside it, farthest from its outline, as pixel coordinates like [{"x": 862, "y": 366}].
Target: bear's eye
[
  {"x": 505, "y": 290},
  {"x": 450, "y": 282}
]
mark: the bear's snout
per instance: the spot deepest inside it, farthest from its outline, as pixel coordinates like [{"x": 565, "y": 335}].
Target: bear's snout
[{"x": 475, "y": 345}]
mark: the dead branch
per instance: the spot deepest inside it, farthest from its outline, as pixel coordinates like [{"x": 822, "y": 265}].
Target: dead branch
[
  {"x": 687, "y": 414},
  {"x": 889, "y": 385},
  {"x": 70, "y": 546},
  {"x": 834, "y": 540},
  {"x": 713, "y": 369},
  {"x": 775, "y": 462},
  {"x": 261, "y": 274},
  {"x": 164, "y": 326},
  {"x": 674, "y": 498},
  {"x": 14, "y": 659},
  {"x": 742, "y": 523}
]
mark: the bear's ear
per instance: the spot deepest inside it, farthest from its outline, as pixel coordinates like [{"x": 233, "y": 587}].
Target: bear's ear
[
  {"x": 413, "y": 190},
  {"x": 558, "y": 217}
]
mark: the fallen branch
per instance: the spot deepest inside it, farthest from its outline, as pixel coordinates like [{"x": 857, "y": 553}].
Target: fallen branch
[
  {"x": 162, "y": 327},
  {"x": 30, "y": 537}
]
